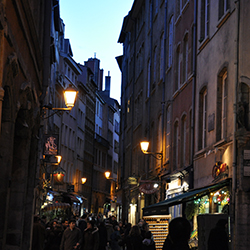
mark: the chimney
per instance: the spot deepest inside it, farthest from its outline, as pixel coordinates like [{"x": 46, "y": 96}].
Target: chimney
[{"x": 107, "y": 83}]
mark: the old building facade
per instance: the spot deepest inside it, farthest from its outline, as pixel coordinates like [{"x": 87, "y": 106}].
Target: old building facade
[
  {"x": 185, "y": 90},
  {"x": 24, "y": 72}
]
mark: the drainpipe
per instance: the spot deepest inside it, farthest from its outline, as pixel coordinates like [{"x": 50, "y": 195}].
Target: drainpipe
[
  {"x": 234, "y": 178},
  {"x": 191, "y": 174}
]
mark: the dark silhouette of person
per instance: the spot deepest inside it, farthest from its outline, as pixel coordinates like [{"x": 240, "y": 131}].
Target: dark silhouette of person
[
  {"x": 179, "y": 235},
  {"x": 38, "y": 239},
  {"x": 148, "y": 242},
  {"x": 103, "y": 236},
  {"x": 218, "y": 237}
]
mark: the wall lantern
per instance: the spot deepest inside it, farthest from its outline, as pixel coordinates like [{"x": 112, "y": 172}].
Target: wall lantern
[
  {"x": 70, "y": 96},
  {"x": 58, "y": 174},
  {"x": 107, "y": 174},
  {"x": 144, "y": 148},
  {"x": 84, "y": 180}
]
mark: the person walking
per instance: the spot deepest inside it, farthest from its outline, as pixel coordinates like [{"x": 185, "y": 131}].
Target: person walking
[
  {"x": 72, "y": 237},
  {"x": 148, "y": 242},
  {"x": 133, "y": 241},
  {"x": 115, "y": 238},
  {"x": 218, "y": 237},
  {"x": 90, "y": 237},
  {"x": 103, "y": 236},
  {"x": 38, "y": 239},
  {"x": 179, "y": 235}
]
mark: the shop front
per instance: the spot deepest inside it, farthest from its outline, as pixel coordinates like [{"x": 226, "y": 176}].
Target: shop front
[{"x": 209, "y": 203}]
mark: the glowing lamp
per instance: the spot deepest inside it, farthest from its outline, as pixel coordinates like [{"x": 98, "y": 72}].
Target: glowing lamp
[
  {"x": 144, "y": 146},
  {"x": 107, "y": 174},
  {"x": 84, "y": 180},
  {"x": 70, "y": 96}
]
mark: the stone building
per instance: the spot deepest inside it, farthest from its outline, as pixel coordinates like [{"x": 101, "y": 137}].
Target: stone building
[
  {"x": 194, "y": 113},
  {"x": 25, "y": 58}
]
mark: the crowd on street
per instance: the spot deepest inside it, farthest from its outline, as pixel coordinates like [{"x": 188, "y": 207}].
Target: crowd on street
[{"x": 91, "y": 232}]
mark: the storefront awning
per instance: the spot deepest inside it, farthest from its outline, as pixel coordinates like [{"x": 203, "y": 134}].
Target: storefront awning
[
  {"x": 55, "y": 205},
  {"x": 161, "y": 208}
]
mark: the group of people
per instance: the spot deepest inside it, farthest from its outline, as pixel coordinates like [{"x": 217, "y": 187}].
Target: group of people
[
  {"x": 91, "y": 233},
  {"x": 95, "y": 233}
]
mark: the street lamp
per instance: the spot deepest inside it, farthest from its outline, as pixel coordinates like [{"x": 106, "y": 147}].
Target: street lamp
[
  {"x": 69, "y": 99},
  {"x": 107, "y": 174},
  {"x": 84, "y": 180},
  {"x": 144, "y": 148}
]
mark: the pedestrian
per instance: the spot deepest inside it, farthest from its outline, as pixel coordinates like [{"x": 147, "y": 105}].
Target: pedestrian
[
  {"x": 72, "y": 237},
  {"x": 116, "y": 238},
  {"x": 144, "y": 229},
  {"x": 103, "y": 236},
  {"x": 91, "y": 236},
  {"x": 38, "y": 238},
  {"x": 148, "y": 242},
  {"x": 110, "y": 230},
  {"x": 54, "y": 238},
  {"x": 133, "y": 241},
  {"x": 83, "y": 223},
  {"x": 179, "y": 235},
  {"x": 65, "y": 224},
  {"x": 218, "y": 237}
]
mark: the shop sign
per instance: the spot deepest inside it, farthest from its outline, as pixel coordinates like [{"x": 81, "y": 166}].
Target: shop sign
[
  {"x": 132, "y": 180},
  {"x": 50, "y": 146},
  {"x": 219, "y": 168},
  {"x": 147, "y": 188}
]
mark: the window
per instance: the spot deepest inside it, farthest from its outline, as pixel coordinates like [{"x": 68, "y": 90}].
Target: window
[
  {"x": 178, "y": 8},
  {"x": 190, "y": 137},
  {"x": 100, "y": 111},
  {"x": 168, "y": 133},
  {"x": 104, "y": 157},
  {"x": 170, "y": 42},
  {"x": 175, "y": 149},
  {"x": 243, "y": 109},
  {"x": 116, "y": 149},
  {"x": 178, "y": 67},
  {"x": 185, "y": 59},
  {"x": 183, "y": 139},
  {"x": 159, "y": 134},
  {"x": 203, "y": 119},
  {"x": 155, "y": 64},
  {"x": 223, "y": 7},
  {"x": 148, "y": 85},
  {"x": 221, "y": 106},
  {"x": 162, "y": 57},
  {"x": 68, "y": 72},
  {"x": 110, "y": 138},
  {"x": 204, "y": 22},
  {"x": 116, "y": 126}
]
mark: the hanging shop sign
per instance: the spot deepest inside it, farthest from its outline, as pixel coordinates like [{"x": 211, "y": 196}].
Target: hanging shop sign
[
  {"x": 147, "y": 188},
  {"x": 50, "y": 145},
  {"x": 132, "y": 180},
  {"x": 218, "y": 169}
]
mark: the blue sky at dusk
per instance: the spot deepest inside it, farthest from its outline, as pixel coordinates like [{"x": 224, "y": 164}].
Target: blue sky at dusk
[{"x": 94, "y": 27}]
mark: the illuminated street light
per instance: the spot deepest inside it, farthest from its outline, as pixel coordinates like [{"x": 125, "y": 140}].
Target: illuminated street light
[
  {"x": 84, "y": 180},
  {"x": 107, "y": 174},
  {"x": 144, "y": 148}
]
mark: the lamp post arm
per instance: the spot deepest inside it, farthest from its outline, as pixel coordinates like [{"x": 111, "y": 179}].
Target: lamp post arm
[{"x": 156, "y": 155}]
